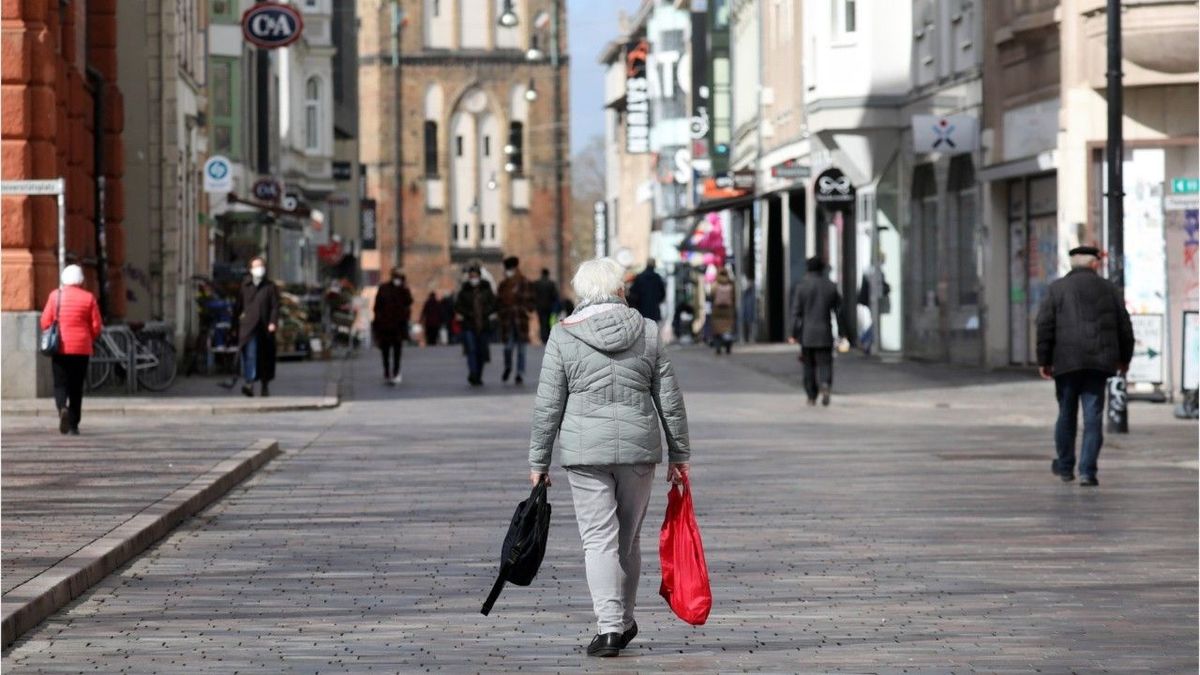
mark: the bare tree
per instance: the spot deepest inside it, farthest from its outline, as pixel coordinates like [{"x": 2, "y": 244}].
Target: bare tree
[{"x": 587, "y": 187}]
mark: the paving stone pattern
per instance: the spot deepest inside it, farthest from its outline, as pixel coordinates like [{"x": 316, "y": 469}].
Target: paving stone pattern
[{"x": 913, "y": 529}]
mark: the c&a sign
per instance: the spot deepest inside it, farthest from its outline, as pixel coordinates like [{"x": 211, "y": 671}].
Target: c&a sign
[{"x": 270, "y": 25}]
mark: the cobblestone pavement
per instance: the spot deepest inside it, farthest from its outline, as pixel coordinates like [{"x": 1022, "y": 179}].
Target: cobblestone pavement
[{"x": 913, "y": 527}]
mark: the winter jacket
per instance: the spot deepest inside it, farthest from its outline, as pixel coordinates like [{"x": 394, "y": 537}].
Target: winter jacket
[
  {"x": 605, "y": 387},
  {"x": 545, "y": 294},
  {"x": 515, "y": 298},
  {"x": 1082, "y": 325},
  {"x": 256, "y": 306},
  {"x": 393, "y": 308},
  {"x": 79, "y": 321},
  {"x": 647, "y": 293},
  {"x": 724, "y": 306},
  {"x": 476, "y": 305},
  {"x": 815, "y": 300}
]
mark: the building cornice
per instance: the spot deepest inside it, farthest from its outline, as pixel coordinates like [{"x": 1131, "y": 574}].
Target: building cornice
[{"x": 459, "y": 58}]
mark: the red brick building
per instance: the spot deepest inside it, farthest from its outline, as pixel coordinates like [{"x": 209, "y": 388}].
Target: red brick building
[{"x": 58, "y": 59}]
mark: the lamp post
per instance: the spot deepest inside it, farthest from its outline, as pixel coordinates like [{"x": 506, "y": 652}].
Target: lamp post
[
  {"x": 556, "y": 67},
  {"x": 1118, "y": 408},
  {"x": 398, "y": 21}
]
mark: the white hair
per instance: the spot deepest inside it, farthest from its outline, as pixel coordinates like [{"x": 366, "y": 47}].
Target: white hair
[
  {"x": 1083, "y": 260},
  {"x": 72, "y": 275},
  {"x": 598, "y": 279}
]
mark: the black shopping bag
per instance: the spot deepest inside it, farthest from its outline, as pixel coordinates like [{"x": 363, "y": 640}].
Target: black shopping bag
[{"x": 524, "y": 544}]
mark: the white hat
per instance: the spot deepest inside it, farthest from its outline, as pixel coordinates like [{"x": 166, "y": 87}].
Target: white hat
[{"x": 72, "y": 275}]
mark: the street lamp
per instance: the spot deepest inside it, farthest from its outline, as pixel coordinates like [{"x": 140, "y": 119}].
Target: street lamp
[
  {"x": 531, "y": 93},
  {"x": 534, "y": 53},
  {"x": 492, "y": 184},
  {"x": 508, "y": 18}
]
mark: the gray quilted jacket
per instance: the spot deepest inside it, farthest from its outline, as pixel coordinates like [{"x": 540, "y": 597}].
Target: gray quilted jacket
[{"x": 604, "y": 388}]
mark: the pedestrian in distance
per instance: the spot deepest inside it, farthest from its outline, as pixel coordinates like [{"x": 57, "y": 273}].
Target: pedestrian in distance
[
  {"x": 816, "y": 305},
  {"x": 723, "y": 299},
  {"x": 545, "y": 298},
  {"x": 257, "y": 309},
  {"x": 476, "y": 309},
  {"x": 515, "y": 298},
  {"x": 606, "y": 385},
  {"x": 1084, "y": 337},
  {"x": 451, "y": 322},
  {"x": 79, "y": 324},
  {"x": 431, "y": 319},
  {"x": 393, "y": 310},
  {"x": 647, "y": 292}
]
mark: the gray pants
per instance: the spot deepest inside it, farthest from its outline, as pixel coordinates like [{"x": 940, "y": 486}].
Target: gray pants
[{"x": 610, "y": 505}]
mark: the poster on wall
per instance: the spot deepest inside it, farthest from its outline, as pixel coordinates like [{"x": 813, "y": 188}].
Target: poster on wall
[
  {"x": 1148, "y": 346},
  {"x": 1191, "y": 351},
  {"x": 637, "y": 98}
]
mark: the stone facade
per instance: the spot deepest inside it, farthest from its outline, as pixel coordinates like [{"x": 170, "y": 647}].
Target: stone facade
[{"x": 463, "y": 204}]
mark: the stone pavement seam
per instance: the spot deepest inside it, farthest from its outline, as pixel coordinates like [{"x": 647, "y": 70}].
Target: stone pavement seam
[{"x": 27, "y": 605}]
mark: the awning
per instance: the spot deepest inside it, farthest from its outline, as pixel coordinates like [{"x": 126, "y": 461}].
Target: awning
[
  {"x": 1039, "y": 163},
  {"x": 709, "y": 207}
]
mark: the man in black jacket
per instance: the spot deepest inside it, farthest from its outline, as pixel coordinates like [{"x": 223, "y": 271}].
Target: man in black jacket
[
  {"x": 647, "y": 292},
  {"x": 816, "y": 304},
  {"x": 1084, "y": 336}
]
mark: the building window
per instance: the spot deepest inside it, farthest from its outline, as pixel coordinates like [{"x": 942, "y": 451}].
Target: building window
[
  {"x": 962, "y": 203},
  {"x": 925, "y": 221},
  {"x": 312, "y": 114},
  {"x": 223, "y": 107},
  {"x": 487, "y": 146},
  {"x": 437, "y": 8},
  {"x": 845, "y": 18},
  {"x": 515, "y": 163},
  {"x": 431, "y": 153},
  {"x": 458, "y": 146}
]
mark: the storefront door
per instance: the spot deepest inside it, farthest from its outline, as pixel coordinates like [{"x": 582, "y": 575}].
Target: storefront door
[{"x": 1033, "y": 258}]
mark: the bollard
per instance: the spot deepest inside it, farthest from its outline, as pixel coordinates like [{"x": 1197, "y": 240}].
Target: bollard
[{"x": 1118, "y": 406}]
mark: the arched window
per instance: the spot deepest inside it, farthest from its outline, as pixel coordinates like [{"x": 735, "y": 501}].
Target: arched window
[
  {"x": 514, "y": 161},
  {"x": 312, "y": 114},
  {"x": 433, "y": 114}
]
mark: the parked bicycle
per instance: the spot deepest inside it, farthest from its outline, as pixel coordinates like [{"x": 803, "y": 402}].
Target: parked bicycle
[{"x": 147, "y": 347}]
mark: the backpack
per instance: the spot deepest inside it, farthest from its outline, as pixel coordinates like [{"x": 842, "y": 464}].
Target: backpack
[{"x": 723, "y": 295}]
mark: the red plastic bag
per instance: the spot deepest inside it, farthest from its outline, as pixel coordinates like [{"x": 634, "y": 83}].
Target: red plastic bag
[{"x": 684, "y": 572}]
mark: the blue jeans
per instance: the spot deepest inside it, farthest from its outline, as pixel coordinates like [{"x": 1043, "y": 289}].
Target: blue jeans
[
  {"x": 1086, "y": 387},
  {"x": 250, "y": 360},
  {"x": 508, "y": 352},
  {"x": 477, "y": 347}
]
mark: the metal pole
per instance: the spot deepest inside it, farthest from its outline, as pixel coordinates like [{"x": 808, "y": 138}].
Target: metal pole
[
  {"x": 61, "y": 198},
  {"x": 100, "y": 198},
  {"x": 1118, "y": 410},
  {"x": 559, "y": 160},
  {"x": 397, "y": 23}
]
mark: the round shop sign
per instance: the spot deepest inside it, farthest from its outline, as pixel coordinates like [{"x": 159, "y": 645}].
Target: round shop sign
[
  {"x": 267, "y": 190},
  {"x": 270, "y": 26},
  {"x": 218, "y": 176}
]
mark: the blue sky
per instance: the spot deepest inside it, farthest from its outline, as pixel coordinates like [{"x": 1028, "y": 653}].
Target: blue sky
[{"x": 591, "y": 24}]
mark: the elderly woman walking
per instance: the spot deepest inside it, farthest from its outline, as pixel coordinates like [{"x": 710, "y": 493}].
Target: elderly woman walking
[
  {"x": 78, "y": 317},
  {"x": 606, "y": 385}
]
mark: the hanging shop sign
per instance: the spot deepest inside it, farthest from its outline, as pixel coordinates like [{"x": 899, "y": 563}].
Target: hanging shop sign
[
  {"x": 948, "y": 135},
  {"x": 267, "y": 190},
  {"x": 637, "y": 98},
  {"x": 343, "y": 170},
  {"x": 270, "y": 26},
  {"x": 367, "y": 231},
  {"x": 218, "y": 174},
  {"x": 600, "y": 220},
  {"x": 728, "y": 184},
  {"x": 833, "y": 188},
  {"x": 790, "y": 169}
]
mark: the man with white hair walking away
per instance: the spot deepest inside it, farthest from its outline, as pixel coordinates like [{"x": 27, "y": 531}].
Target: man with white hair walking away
[
  {"x": 1084, "y": 336},
  {"x": 78, "y": 317},
  {"x": 606, "y": 386}
]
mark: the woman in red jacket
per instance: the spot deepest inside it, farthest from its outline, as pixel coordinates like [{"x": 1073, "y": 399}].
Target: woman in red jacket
[{"x": 79, "y": 326}]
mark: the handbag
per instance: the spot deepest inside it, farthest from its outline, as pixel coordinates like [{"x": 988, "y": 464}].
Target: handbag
[
  {"x": 685, "y": 583},
  {"x": 524, "y": 544},
  {"x": 50, "y": 341}
]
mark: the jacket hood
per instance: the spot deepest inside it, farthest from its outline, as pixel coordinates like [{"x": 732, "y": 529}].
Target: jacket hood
[{"x": 607, "y": 327}]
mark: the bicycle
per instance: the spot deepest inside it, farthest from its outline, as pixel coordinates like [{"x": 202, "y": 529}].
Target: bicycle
[{"x": 148, "y": 347}]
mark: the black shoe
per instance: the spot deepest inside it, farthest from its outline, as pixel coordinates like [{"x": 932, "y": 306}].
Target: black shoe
[
  {"x": 825, "y": 395},
  {"x": 1089, "y": 481},
  {"x": 265, "y": 391},
  {"x": 1066, "y": 476},
  {"x": 248, "y": 390},
  {"x": 475, "y": 381},
  {"x": 74, "y": 431},
  {"x": 507, "y": 372},
  {"x": 520, "y": 379},
  {"x": 628, "y": 635},
  {"x": 608, "y": 644},
  {"x": 64, "y": 421}
]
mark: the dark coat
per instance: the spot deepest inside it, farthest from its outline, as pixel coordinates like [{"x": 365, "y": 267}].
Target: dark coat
[
  {"x": 255, "y": 307},
  {"x": 647, "y": 293},
  {"x": 393, "y": 309},
  {"x": 516, "y": 301},
  {"x": 815, "y": 303},
  {"x": 1082, "y": 324},
  {"x": 545, "y": 295},
  {"x": 431, "y": 315},
  {"x": 724, "y": 306},
  {"x": 475, "y": 304}
]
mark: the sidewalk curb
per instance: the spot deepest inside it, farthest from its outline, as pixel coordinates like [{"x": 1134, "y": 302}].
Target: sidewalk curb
[{"x": 27, "y": 605}]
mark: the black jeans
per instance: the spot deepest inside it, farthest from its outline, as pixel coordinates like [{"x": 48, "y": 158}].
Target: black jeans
[
  {"x": 818, "y": 369},
  {"x": 70, "y": 372},
  {"x": 391, "y": 349},
  {"x": 544, "y": 324},
  {"x": 1072, "y": 389}
]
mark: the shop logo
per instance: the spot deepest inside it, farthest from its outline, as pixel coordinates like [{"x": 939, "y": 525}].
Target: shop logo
[
  {"x": 942, "y": 132},
  {"x": 266, "y": 190},
  {"x": 271, "y": 26}
]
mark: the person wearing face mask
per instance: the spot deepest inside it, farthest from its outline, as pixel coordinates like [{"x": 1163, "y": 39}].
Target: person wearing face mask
[
  {"x": 393, "y": 309},
  {"x": 515, "y": 297},
  {"x": 475, "y": 307},
  {"x": 257, "y": 309}
]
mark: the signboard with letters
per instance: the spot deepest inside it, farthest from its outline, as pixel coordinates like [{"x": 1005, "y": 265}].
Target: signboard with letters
[
  {"x": 948, "y": 135},
  {"x": 269, "y": 25},
  {"x": 1184, "y": 185},
  {"x": 342, "y": 170},
  {"x": 267, "y": 190},
  {"x": 1148, "y": 345},
  {"x": 367, "y": 232},
  {"x": 637, "y": 98},
  {"x": 600, "y": 220},
  {"x": 790, "y": 169}
]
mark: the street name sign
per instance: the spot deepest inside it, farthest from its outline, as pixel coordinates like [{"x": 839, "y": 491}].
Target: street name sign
[
  {"x": 1184, "y": 186},
  {"x": 50, "y": 186}
]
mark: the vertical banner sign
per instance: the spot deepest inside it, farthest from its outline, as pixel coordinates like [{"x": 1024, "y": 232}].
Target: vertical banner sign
[
  {"x": 637, "y": 98},
  {"x": 699, "y": 126},
  {"x": 367, "y": 231},
  {"x": 600, "y": 218}
]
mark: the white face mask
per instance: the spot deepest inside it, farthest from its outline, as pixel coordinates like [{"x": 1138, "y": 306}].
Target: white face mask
[
  {"x": 396, "y": 282},
  {"x": 258, "y": 272},
  {"x": 473, "y": 282},
  {"x": 510, "y": 273}
]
